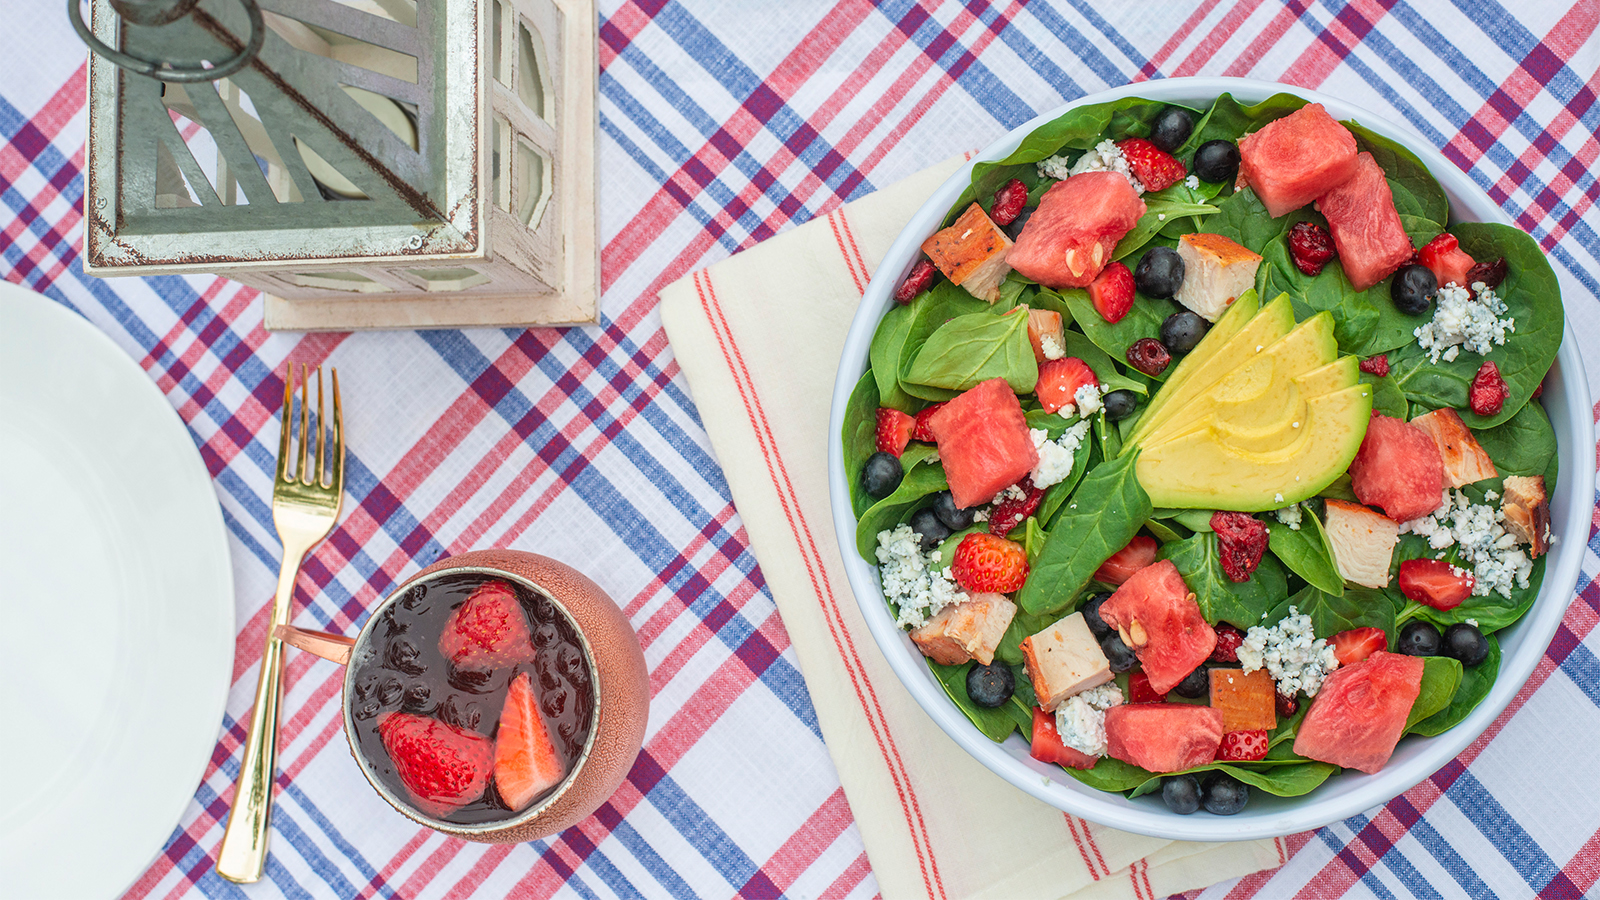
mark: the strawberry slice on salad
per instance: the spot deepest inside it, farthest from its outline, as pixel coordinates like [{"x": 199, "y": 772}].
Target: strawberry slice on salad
[
  {"x": 1059, "y": 381},
  {"x": 1355, "y": 645},
  {"x": 1155, "y": 168},
  {"x": 895, "y": 430},
  {"x": 1435, "y": 583}
]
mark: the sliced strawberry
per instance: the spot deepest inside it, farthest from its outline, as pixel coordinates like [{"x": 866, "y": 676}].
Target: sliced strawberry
[
  {"x": 1241, "y": 541},
  {"x": 1120, "y": 566},
  {"x": 1047, "y": 745},
  {"x": 1112, "y": 292},
  {"x": 1435, "y": 583},
  {"x": 1243, "y": 746},
  {"x": 985, "y": 563},
  {"x": 894, "y": 430},
  {"x": 1008, "y": 202},
  {"x": 488, "y": 631},
  {"x": 1011, "y": 512},
  {"x": 526, "y": 763},
  {"x": 1376, "y": 365},
  {"x": 1059, "y": 380},
  {"x": 1154, "y": 167},
  {"x": 1228, "y": 640},
  {"x": 1445, "y": 258},
  {"x": 919, "y": 280},
  {"x": 921, "y": 432},
  {"x": 1488, "y": 393},
  {"x": 1140, "y": 691},
  {"x": 1357, "y": 644},
  {"x": 442, "y": 767}
]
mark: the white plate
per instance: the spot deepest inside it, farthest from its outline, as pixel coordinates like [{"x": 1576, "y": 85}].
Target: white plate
[
  {"x": 1566, "y": 398},
  {"x": 116, "y": 608}
]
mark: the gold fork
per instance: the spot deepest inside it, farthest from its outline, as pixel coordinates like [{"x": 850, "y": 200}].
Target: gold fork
[{"x": 305, "y": 506}]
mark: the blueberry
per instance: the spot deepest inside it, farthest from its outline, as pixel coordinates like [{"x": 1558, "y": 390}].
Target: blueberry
[
  {"x": 1117, "y": 653},
  {"x": 416, "y": 697},
  {"x": 1171, "y": 128},
  {"x": 1015, "y": 228},
  {"x": 401, "y": 655},
  {"x": 1466, "y": 643},
  {"x": 545, "y": 635},
  {"x": 1216, "y": 161},
  {"x": 882, "y": 474},
  {"x": 1419, "y": 638},
  {"x": 390, "y": 691},
  {"x": 1159, "y": 272},
  {"x": 1412, "y": 289},
  {"x": 1182, "y": 331},
  {"x": 1195, "y": 685},
  {"x": 1181, "y": 793},
  {"x": 1091, "y": 616},
  {"x": 925, "y": 522},
  {"x": 1119, "y": 404},
  {"x": 954, "y": 517},
  {"x": 1223, "y": 795},
  {"x": 990, "y": 685}
]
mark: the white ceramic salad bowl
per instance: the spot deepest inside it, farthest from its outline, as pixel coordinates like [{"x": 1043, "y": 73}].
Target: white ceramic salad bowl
[{"x": 1566, "y": 398}]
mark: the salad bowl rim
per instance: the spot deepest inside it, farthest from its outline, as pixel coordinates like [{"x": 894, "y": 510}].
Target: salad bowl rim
[{"x": 1566, "y": 398}]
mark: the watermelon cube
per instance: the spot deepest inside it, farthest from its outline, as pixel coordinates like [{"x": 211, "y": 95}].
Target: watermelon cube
[
  {"x": 1164, "y": 737},
  {"x": 1360, "y": 712},
  {"x": 1071, "y": 235},
  {"x": 1296, "y": 159},
  {"x": 983, "y": 441},
  {"x": 1398, "y": 469},
  {"x": 1365, "y": 226},
  {"x": 1156, "y": 614}
]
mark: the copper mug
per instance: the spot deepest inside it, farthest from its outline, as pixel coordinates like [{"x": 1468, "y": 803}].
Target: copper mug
[{"x": 619, "y": 681}]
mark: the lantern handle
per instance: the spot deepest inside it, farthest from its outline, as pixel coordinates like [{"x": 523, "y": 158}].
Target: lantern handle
[{"x": 180, "y": 75}]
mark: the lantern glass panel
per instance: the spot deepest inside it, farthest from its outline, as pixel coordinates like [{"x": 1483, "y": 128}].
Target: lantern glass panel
[
  {"x": 531, "y": 175},
  {"x": 530, "y": 73}
]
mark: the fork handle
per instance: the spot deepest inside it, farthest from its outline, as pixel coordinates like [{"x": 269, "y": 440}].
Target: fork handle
[{"x": 243, "y": 854}]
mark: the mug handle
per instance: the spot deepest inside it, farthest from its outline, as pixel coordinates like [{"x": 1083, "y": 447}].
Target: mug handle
[{"x": 332, "y": 647}]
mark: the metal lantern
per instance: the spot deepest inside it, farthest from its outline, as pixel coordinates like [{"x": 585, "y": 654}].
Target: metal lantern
[{"x": 365, "y": 163}]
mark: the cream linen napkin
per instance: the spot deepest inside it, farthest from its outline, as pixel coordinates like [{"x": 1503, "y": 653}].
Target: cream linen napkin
[{"x": 758, "y": 337}]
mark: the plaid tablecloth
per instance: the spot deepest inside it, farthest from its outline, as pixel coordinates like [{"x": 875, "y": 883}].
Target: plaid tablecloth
[{"x": 720, "y": 125}]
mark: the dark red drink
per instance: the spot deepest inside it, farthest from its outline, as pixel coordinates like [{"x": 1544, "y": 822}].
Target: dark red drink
[{"x": 431, "y": 683}]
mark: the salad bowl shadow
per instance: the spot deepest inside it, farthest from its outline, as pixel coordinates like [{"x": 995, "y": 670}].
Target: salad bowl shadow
[{"x": 1566, "y": 398}]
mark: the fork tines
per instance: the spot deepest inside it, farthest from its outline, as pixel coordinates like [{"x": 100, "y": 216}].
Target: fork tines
[{"x": 325, "y": 470}]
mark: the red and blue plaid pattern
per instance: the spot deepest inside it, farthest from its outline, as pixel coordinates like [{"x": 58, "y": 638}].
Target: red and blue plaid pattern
[{"x": 720, "y": 125}]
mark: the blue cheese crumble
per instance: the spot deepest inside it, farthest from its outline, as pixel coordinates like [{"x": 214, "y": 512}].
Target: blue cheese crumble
[
  {"x": 1081, "y": 718},
  {"x": 1462, "y": 322},
  {"x": 910, "y": 581},
  {"x": 1088, "y": 399},
  {"x": 1291, "y": 653},
  {"x": 1478, "y": 533},
  {"x": 1290, "y": 515},
  {"x": 1105, "y": 157},
  {"x": 1050, "y": 347},
  {"x": 1055, "y": 457}
]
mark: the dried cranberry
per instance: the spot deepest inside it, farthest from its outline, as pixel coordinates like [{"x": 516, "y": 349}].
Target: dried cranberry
[
  {"x": 1228, "y": 640},
  {"x": 1376, "y": 365},
  {"x": 1311, "y": 246},
  {"x": 1288, "y": 705},
  {"x": 1491, "y": 274},
  {"x": 918, "y": 281},
  {"x": 1488, "y": 393},
  {"x": 1008, "y": 202},
  {"x": 1241, "y": 540},
  {"x": 1149, "y": 356},
  {"x": 1539, "y": 391},
  {"x": 1010, "y": 512}
]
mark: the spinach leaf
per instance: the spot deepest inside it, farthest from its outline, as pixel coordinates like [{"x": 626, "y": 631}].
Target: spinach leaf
[
  {"x": 1104, "y": 369},
  {"x": 1243, "y": 219},
  {"x": 919, "y": 482},
  {"x": 995, "y": 723},
  {"x": 1110, "y": 507},
  {"x": 1162, "y": 532},
  {"x": 1306, "y": 552},
  {"x": 888, "y": 342},
  {"x": 1054, "y": 425},
  {"x": 1522, "y": 445},
  {"x": 1284, "y": 779},
  {"x": 1492, "y": 613},
  {"x": 1415, "y": 191},
  {"x": 1387, "y": 398},
  {"x": 1332, "y": 613},
  {"x": 1365, "y": 322},
  {"x": 1533, "y": 299},
  {"x": 1158, "y": 213},
  {"x": 1441, "y": 676},
  {"x": 1475, "y": 684},
  {"x": 1340, "y": 489},
  {"x": 929, "y": 311},
  {"x": 860, "y": 437},
  {"x": 1023, "y": 624},
  {"x": 1227, "y": 120},
  {"x": 977, "y": 347},
  {"x": 1220, "y": 599},
  {"x": 1106, "y": 434},
  {"x": 1033, "y": 538},
  {"x": 1142, "y": 321},
  {"x": 1112, "y": 774}
]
